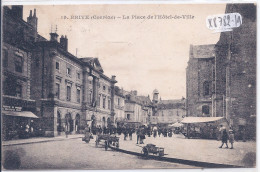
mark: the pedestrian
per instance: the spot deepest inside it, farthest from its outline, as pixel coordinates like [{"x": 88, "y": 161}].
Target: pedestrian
[
  {"x": 224, "y": 138},
  {"x": 130, "y": 133},
  {"x": 170, "y": 133},
  {"x": 138, "y": 134},
  {"x": 231, "y": 138},
  {"x": 87, "y": 134},
  {"x": 142, "y": 135},
  {"x": 155, "y": 132},
  {"x": 125, "y": 133}
]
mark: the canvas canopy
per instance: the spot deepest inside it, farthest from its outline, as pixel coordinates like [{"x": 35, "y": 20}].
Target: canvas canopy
[
  {"x": 176, "y": 124},
  {"x": 193, "y": 120},
  {"x": 26, "y": 114}
]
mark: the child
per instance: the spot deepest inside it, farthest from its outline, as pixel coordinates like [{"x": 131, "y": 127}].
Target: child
[{"x": 231, "y": 138}]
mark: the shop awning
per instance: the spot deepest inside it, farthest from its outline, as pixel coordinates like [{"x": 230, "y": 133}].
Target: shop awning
[
  {"x": 192, "y": 120},
  {"x": 26, "y": 114}
]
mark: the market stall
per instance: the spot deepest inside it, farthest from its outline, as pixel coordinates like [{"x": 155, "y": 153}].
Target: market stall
[{"x": 203, "y": 127}]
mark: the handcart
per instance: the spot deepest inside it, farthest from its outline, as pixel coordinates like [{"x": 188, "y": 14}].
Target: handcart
[
  {"x": 151, "y": 148},
  {"x": 108, "y": 139}
]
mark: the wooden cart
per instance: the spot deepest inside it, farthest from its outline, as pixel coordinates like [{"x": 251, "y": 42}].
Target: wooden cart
[
  {"x": 151, "y": 148},
  {"x": 108, "y": 140}
]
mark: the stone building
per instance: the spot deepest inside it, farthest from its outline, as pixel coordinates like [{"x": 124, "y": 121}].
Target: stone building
[
  {"x": 200, "y": 81},
  {"x": 170, "y": 111},
  {"x": 236, "y": 66},
  {"x": 167, "y": 111},
  {"x": 18, "y": 40},
  {"x": 119, "y": 101},
  {"x": 137, "y": 108},
  {"x": 230, "y": 68},
  {"x": 69, "y": 91},
  {"x": 41, "y": 77}
]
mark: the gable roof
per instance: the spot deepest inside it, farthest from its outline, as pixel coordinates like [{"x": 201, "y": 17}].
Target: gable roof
[
  {"x": 94, "y": 62},
  {"x": 171, "y": 104}
]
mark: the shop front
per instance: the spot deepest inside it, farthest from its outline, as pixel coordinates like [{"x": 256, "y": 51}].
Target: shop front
[{"x": 19, "y": 124}]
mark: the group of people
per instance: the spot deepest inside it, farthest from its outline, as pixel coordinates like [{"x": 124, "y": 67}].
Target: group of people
[
  {"x": 225, "y": 136},
  {"x": 164, "y": 131}
]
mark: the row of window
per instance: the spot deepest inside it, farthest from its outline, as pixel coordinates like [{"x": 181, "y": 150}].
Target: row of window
[
  {"x": 68, "y": 70},
  {"x": 68, "y": 92},
  {"x": 104, "y": 98}
]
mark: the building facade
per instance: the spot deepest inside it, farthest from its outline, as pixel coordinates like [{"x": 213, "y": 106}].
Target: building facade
[
  {"x": 232, "y": 73},
  {"x": 70, "y": 92},
  {"x": 167, "y": 111},
  {"x": 119, "y": 101},
  {"x": 200, "y": 75},
  {"x": 18, "y": 39},
  {"x": 54, "y": 91},
  {"x": 236, "y": 52},
  {"x": 138, "y": 109}
]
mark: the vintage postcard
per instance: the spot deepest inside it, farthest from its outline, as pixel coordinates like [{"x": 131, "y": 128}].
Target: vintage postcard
[{"x": 128, "y": 86}]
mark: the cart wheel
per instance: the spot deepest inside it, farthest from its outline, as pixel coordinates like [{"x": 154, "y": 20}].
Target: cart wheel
[
  {"x": 117, "y": 145},
  {"x": 145, "y": 151}
]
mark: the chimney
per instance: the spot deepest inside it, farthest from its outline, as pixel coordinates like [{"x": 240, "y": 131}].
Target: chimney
[
  {"x": 64, "y": 42},
  {"x": 54, "y": 37},
  {"x": 17, "y": 11},
  {"x": 33, "y": 20},
  {"x": 113, "y": 77}
]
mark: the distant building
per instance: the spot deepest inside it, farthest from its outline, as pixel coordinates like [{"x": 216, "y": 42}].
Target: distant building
[
  {"x": 170, "y": 111},
  {"x": 138, "y": 109},
  {"x": 119, "y": 100},
  {"x": 167, "y": 111}
]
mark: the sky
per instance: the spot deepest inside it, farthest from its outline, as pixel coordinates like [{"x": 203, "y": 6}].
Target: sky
[{"x": 144, "y": 54}]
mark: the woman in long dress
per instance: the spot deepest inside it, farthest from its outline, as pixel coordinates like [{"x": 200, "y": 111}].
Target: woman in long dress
[{"x": 87, "y": 134}]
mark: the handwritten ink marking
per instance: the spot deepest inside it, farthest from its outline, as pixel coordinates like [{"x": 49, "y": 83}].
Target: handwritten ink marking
[{"x": 224, "y": 22}]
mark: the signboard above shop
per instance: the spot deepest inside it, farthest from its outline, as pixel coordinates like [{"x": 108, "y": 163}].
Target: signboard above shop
[{"x": 12, "y": 108}]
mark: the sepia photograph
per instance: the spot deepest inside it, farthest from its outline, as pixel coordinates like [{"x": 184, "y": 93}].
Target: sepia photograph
[{"x": 114, "y": 86}]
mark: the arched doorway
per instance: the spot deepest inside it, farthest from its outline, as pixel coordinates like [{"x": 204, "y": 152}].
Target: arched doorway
[
  {"x": 77, "y": 124},
  {"x": 68, "y": 123},
  {"x": 59, "y": 127}
]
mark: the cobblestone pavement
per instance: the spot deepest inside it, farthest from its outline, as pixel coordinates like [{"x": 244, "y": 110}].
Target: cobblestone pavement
[{"x": 243, "y": 154}]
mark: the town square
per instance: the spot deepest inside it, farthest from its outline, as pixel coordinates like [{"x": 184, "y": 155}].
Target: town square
[{"x": 128, "y": 86}]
